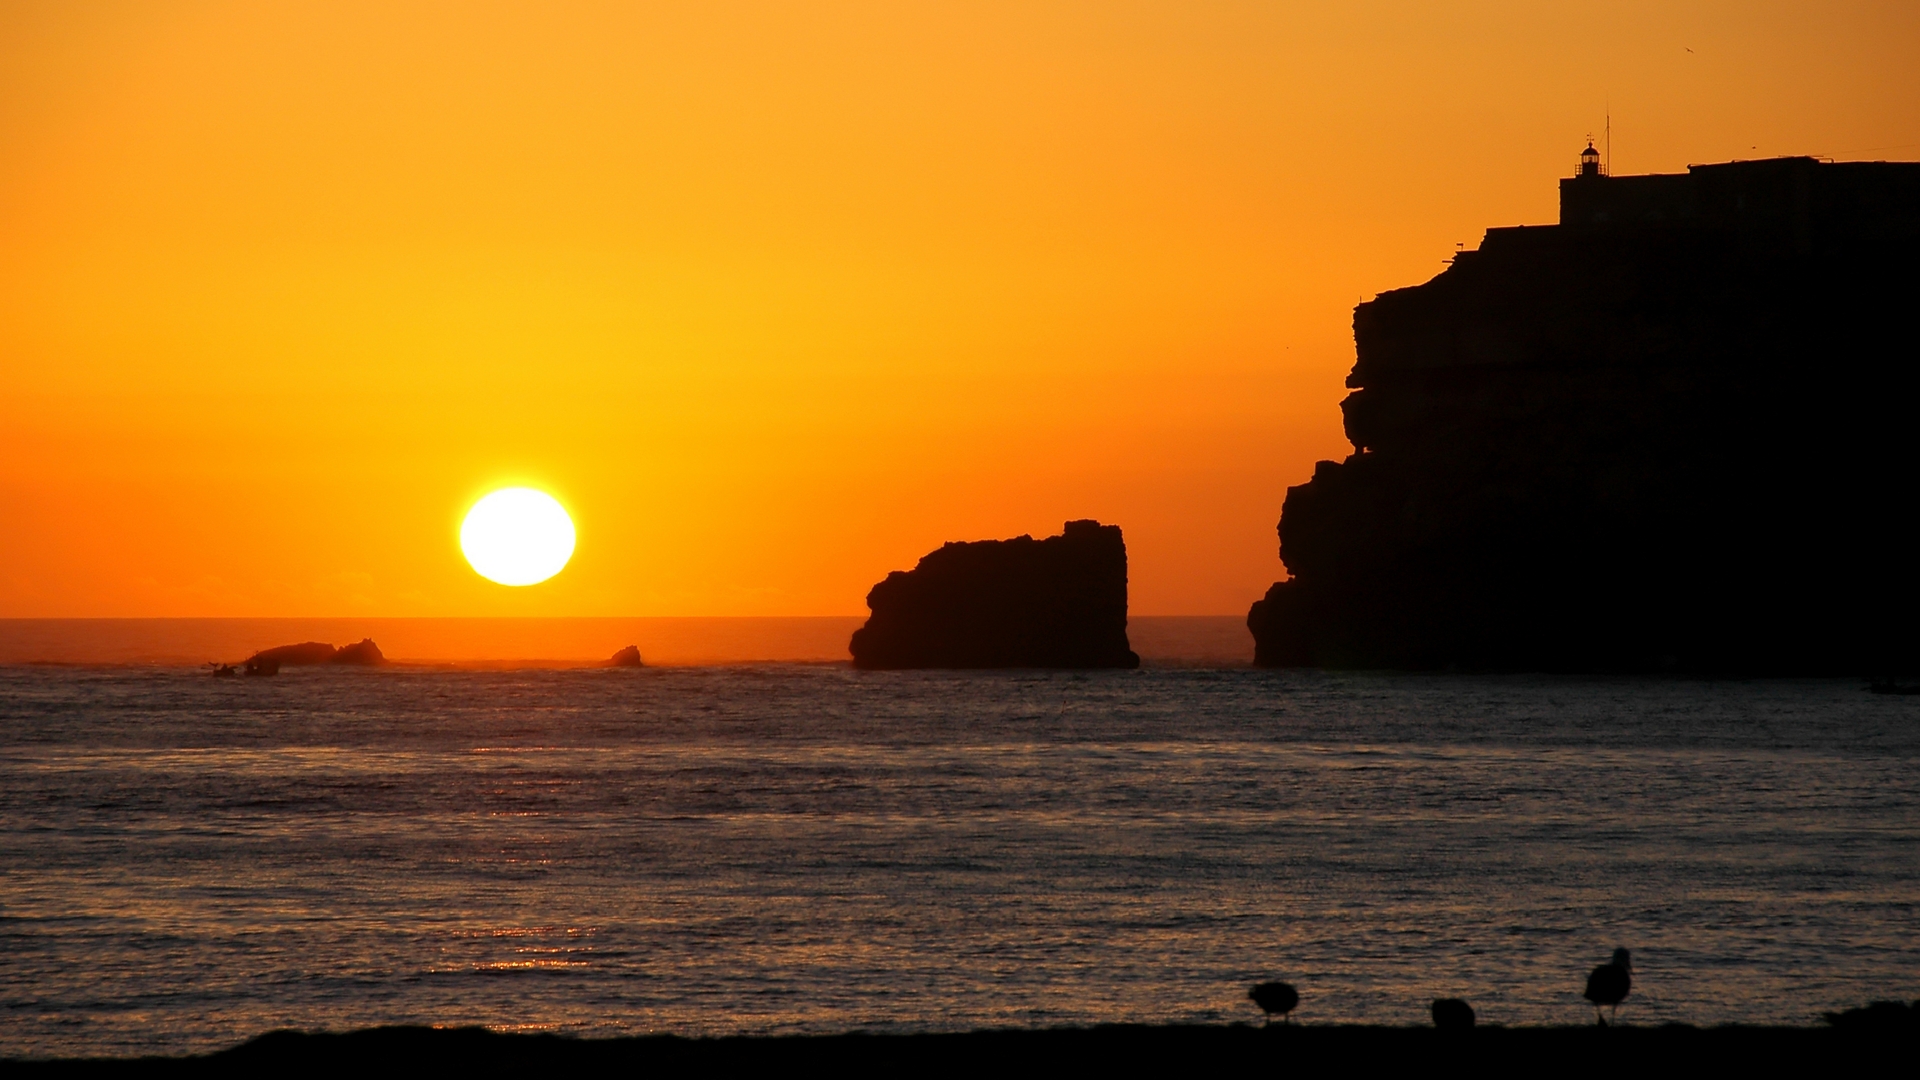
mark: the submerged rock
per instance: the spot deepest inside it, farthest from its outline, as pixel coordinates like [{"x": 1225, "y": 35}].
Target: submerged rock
[
  {"x": 1054, "y": 603},
  {"x": 1672, "y": 432}
]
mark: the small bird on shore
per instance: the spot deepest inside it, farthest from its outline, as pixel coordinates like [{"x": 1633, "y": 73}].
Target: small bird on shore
[
  {"x": 1275, "y": 998},
  {"x": 1609, "y": 984},
  {"x": 1452, "y": 1014}
]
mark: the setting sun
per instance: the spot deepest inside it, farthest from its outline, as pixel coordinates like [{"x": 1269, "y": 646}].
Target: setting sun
[{"x": 517, "y": 536}]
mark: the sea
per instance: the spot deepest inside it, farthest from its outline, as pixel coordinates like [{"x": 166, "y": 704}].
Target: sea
[{"x": 775, "y": 844}]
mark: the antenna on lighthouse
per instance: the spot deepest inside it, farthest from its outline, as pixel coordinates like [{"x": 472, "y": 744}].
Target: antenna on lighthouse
[{"x": 1609, "y": 138}]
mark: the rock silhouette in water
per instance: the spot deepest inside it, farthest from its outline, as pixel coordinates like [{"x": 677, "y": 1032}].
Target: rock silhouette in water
[
  {"x": 627, "y": 657},
  {"x": 1672, "y": 432},
  {"x": 1054, "y": 603},
  {"x": 363, "y": 653},
  {"x": 305, "y": 653}
]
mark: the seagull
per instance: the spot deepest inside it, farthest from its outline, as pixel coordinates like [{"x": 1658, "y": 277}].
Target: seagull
[
  {"x": 1452, "y": 1014},
  {"x": 1609, "y": 983},
  {"x": 1275, "y": 998}
]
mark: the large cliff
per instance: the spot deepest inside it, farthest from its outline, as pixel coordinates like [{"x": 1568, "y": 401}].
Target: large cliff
[
  {"x": 1674, "y": 432},
  {"x": 1054, "y": 603}
]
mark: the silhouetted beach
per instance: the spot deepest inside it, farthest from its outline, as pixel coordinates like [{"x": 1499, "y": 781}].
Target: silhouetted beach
[{"x": 1172, "y": 1050}]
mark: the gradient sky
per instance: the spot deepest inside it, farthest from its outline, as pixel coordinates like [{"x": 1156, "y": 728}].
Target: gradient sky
[{"x": 773, "y": 296}]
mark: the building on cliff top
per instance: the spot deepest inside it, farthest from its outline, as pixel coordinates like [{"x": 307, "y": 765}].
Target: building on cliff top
[
  {"x": 1794, "y": 200},
  {"x": 1671, "y": 432}
]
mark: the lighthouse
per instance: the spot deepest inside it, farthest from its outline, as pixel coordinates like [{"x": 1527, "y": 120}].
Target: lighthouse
[{"x": 1590, "y": 162}]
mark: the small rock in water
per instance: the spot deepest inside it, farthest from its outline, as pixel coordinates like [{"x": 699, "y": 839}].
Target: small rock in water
[
  {"x": 365, "y": 653},
  {"x": 307, "y": 652}
]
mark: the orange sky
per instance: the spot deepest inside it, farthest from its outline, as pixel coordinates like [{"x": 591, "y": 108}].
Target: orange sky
[{"x": 773, "y": 296}]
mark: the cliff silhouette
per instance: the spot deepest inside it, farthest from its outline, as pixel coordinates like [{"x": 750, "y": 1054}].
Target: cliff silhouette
[
  {"x": 1020, "y": 603},
  {"x": 1672, "y": 432}
]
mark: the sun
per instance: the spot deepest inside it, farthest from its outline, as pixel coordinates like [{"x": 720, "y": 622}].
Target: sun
[{"x": 517, "y": 536}]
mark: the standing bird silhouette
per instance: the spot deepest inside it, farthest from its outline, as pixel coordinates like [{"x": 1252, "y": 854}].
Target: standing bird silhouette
[
  {"x": 1609, "y": 984},
  {"x": 1275, "y": 998},
  {"x": 1452, "y": 1014}
]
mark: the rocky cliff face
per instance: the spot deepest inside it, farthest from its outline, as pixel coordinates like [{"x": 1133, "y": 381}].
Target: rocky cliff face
[
  {"x": 1054, "y": 603},
  {"x": 1674, "y": 432}
]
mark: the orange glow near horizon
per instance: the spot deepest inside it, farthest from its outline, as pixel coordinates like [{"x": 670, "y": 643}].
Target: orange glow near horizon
[{"x": 774, "y": 297}]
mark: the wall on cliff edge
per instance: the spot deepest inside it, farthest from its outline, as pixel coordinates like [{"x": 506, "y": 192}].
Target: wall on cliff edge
[
  {"x": 1060, "y": 602},
  {"x": 1628, "y": 445}
]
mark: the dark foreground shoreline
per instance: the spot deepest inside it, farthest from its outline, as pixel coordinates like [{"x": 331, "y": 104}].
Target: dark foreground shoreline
[{"x": 1124, "y": 1049}]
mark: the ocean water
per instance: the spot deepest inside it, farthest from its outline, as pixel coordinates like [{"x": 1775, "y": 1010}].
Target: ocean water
[{"x": 186, "y": 862}]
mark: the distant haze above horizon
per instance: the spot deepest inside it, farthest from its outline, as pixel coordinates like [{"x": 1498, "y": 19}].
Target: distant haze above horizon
[{"x": 773, "y": 297}]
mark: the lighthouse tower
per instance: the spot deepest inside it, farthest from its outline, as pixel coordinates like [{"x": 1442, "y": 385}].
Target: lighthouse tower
[{"x": 1590, "y": 162}]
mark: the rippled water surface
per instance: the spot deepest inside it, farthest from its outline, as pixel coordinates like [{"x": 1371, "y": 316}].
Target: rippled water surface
[{"x": 186, "y": 862}]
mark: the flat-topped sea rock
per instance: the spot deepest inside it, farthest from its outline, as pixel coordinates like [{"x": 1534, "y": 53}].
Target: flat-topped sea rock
[{"x": 1060, "y": 602}]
